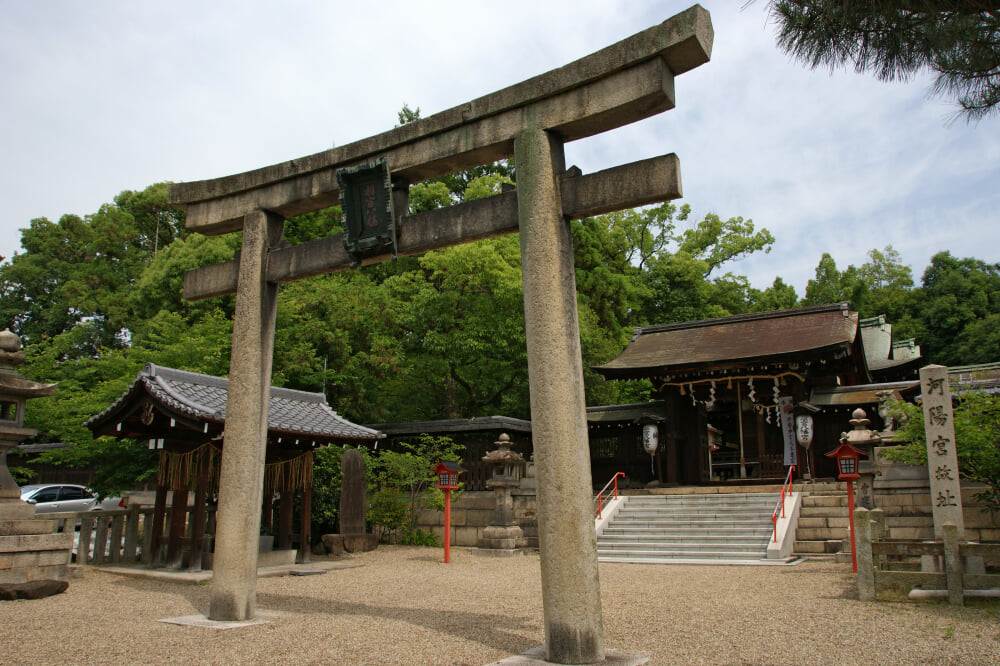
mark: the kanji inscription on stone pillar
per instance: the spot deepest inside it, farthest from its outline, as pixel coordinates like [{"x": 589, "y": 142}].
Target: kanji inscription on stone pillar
[{"x": 942, "y": 457}]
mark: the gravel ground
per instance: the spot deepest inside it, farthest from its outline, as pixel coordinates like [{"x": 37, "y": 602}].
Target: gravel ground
[{"x": 405, "y": 606}]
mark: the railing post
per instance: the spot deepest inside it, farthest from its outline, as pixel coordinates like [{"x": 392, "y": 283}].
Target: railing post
[
  {"x": 100, "y": 539},
  {"x": 131, "y": 534},
  {"x": 879, "y": 533},
  {"x": 148, "y": 536},
  {"x": 866, "y": 566},
  {"x": 117, "y": 525},
  {"x": 953, "y": 565},
  {"x": 83, "y": 545}
]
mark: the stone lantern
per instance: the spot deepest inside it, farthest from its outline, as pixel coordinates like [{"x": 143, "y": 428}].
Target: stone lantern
[
  {"x": 15, "y": 391},
  {"x": 40, "y": 558},
  {"x": 865, "y": 441},
  {"x": 503, "y": 532}
]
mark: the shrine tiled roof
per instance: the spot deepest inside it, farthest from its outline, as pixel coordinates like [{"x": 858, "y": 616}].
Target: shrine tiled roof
[
  {"x": 202, "y": 399},
  {"x": 783, "y": 335}
]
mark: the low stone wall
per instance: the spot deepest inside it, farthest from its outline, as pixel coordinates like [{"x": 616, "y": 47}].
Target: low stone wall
[
  {"x": 473, "y": 511},
  {"x": 903, "y": 493}
]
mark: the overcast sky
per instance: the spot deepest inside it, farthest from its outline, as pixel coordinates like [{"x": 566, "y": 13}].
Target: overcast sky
[{"x": 101, "y": 96}]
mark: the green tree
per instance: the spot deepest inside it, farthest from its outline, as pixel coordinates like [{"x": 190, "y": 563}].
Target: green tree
[
  {"x": 779, "y": 296},
  {"x": 681, "y": 282},
  {"x": 403, "y": 480},
  {"x": 977, "y": 441},
  {"x": 833, "y": 286},
  {"x": 959, "y": 309},
  {"x": 88, "y": 385},
  {"x": 157, "y": 222},
  {"x": 82, "y": 269},
  {"x": 958, "y": 41}
]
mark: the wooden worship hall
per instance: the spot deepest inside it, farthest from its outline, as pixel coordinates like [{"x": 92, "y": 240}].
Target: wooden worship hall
[
  {"x": 183, "y": 416},
  {"x": 726, "y": 383}
]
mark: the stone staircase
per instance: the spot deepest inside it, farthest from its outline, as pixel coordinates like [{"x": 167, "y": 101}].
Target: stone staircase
[
  {"x": 822, "y": 526},
  {"x": 731, "y": 528},
  {"x": 823, "y": 522}
]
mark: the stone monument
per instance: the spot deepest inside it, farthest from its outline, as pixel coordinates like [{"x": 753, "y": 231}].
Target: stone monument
[
  {"x": 503, "y": 534},
  {"x": 353, "y": 502},
  {"x": 34, "y": 561}
]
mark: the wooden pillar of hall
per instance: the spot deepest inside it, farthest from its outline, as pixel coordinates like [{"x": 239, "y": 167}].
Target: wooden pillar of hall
[
  {"x": 761, "y": 440},
  {"x": 241, "y": 475},
  {"x": 571, "y": 595},
  {"x": 286, "y": 515},
  {"x": 199, "y": 511},
  {"x": 305, "y": 531},
  {"x": 159, "y": 517}
]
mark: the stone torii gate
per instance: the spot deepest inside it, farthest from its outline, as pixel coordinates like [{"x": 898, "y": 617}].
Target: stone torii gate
[{"x": 623, "y": 83}]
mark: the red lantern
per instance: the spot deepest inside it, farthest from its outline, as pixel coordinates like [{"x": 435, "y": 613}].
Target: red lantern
[
  {"x": 447, "y": 480},
  {"x": 847, "y": 462}
]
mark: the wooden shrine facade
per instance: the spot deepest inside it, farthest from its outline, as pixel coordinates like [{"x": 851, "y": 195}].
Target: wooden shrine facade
[
  {"x": 183, "y": 415},
  {"x": 726, "y": 382}
]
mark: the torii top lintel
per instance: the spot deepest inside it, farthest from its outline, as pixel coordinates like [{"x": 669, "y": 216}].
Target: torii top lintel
[{"x": 615, "y": 86}]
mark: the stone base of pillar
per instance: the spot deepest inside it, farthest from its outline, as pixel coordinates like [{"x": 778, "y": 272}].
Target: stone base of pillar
[
  {"x": 502, "y": 537},
  {"x": 39, "y": 557},
  {"x": 611, "y": 658}
]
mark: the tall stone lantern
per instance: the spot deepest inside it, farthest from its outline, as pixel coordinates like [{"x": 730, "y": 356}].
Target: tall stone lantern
[
  {"x": 40, "y": 559},
  {"x": 15, "y": 391},
  {"x": 865, "y": 440},
  {"x": 503, "y": 533}
]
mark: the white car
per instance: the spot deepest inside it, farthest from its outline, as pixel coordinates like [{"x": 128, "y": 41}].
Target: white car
[{"x": 54, "y": 497}]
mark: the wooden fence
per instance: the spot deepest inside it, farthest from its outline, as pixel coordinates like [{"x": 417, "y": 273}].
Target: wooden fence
[
  {"x": 874, "y": 553},
  {"x": 119, "y": 536}
]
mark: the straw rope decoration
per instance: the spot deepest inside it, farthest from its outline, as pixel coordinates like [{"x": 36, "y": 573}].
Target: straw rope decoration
[
  {"x": 178, "y": 470},
  {"x": 687, "y": 388},
  {"x": 292, "y": 474}
]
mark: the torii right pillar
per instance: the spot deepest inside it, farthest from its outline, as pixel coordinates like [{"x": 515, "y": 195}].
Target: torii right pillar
[{"x": 571, "y": 592}]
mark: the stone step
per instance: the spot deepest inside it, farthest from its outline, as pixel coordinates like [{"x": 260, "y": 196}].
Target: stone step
[
  {"x": 818, "y": 547},
  {"x": 690, "y": 528},
  {"x": 661, "y": 537},
  {"x": 631, "y": 555},
  {"x": 755, "y": 545},
  {"x": 814, "y": 534},
  {"x": 664, "y": 516},
  {"x": 811, "y": 501},
  {"x": 692, "y": 524}
]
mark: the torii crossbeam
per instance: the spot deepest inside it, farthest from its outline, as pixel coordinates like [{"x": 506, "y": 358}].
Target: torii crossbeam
[{"x": 621, "y": 84}]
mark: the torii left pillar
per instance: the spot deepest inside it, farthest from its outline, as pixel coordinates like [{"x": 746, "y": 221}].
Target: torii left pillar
[{"x": 234, "y": 578}]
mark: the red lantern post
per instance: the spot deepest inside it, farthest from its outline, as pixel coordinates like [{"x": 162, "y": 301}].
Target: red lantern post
[
  {"x": 447, "y": 480},
  {"x": 847, "y": 462}
]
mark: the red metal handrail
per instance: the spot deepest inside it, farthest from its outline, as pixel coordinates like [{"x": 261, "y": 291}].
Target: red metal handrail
[
  {"x": 781, "y": 501},
  {"x": 599, "y": 499}
]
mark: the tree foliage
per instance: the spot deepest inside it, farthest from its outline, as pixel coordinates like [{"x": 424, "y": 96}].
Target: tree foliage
[
  {"x": 404, "y": 485},
  {"x": 959, "y": 41},
  {"x": 430, "y": 337},
  {"x": 977, "y": 440}
]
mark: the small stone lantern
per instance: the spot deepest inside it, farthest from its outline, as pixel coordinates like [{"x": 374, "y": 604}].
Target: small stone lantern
[{"x": 503, "y": 532}]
